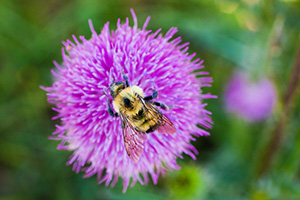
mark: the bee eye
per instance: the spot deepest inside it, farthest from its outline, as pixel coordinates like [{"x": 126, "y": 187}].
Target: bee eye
[{"x": 127, "y": 102}]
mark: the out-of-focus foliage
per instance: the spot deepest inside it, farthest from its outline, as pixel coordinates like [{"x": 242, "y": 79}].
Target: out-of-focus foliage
[{"x": 261, "y": 37}]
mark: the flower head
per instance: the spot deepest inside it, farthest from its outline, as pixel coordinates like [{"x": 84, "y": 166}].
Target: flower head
[
  {"x": 252, "y": 100},
  {"x": 152, "y": 62}
]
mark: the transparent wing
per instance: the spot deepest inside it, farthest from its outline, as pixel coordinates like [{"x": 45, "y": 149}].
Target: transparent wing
[
  {"x": 165, "y": 125},
  {"x": 133, "y": 140}
]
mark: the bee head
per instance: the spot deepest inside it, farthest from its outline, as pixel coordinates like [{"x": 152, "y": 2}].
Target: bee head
[{"x": 116, "y": 87}]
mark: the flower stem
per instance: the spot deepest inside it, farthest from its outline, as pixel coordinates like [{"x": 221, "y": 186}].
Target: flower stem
[{"x": 275, "y": 141}]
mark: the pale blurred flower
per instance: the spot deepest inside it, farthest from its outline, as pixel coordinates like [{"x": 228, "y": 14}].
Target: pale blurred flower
[{"x": 251, "y": 100}]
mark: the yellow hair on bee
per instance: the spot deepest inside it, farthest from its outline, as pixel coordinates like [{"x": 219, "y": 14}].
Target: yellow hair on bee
[{"x": 130, "y": 94}]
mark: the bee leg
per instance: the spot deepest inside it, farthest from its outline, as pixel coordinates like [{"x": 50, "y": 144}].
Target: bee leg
[
  {"x": 163, "y": 106},
  {"x": 126, "y": 80},
  {"x": 110, "y": 111},
  {"x": 154, "y": 95}
]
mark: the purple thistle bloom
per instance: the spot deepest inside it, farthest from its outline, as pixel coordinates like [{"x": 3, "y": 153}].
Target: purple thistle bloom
[
  {"x": 253, "y": 101},
  {"x": 151, "y": 61}
]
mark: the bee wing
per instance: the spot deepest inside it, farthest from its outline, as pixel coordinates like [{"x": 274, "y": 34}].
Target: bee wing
[
  {"x": 133, "y": 140},
  {"x": 165, "y": 125}
]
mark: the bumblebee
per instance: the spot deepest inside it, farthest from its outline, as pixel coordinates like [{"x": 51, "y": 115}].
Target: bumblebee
[{"x": 139, "y": 116}]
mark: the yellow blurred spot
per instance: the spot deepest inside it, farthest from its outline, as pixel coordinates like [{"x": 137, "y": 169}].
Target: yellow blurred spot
[
  {"x": 69, "y": 47},
  {"x": 259, "y": 195},
  {"x": 227, "y": 6},
  {"x": 248, "y": 20},
  {"x": 289, "y": 1},
  {"x": 251, "y": 2}
]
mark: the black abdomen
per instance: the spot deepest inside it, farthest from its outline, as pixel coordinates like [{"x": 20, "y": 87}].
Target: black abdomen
[
  {"x": 144, "y": 123},
  {"x": 152, "y": 128},
  {"x": 140, "y": 115}
]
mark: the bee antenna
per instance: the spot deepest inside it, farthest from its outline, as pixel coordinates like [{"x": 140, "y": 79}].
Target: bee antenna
[
  {"x": 125, "y": 78},
  {"x": 112, "y": 80},
  {"x": 104, "y": 92},
  {"x": 123, "y": 73},
  {"x": 152, "y": 85}
]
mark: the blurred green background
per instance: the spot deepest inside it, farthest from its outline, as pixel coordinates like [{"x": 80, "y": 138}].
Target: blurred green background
[{"x": 235, "y": 162}]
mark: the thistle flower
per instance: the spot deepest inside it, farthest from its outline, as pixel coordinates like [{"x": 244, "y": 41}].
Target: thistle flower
[
  {"x": 251, "y": 100},
  {"x": 151, "y": 61}
]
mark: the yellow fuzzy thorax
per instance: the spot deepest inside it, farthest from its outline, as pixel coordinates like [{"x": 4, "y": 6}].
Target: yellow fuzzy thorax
[{"x": 129, "y": 93}]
